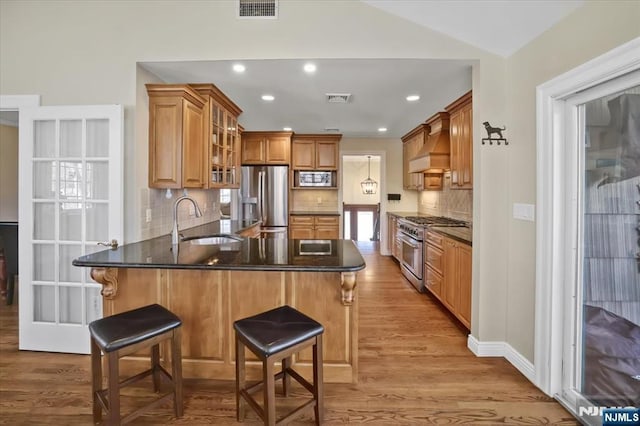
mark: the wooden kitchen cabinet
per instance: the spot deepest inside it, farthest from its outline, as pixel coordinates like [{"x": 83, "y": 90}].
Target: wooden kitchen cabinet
[
  {"x": 433, "y": 263},
  {"x": 177, "y": 148},
  {"x": 392, "y": 232},
  {"x": 221, "y": 136},
  {"x": 266, "y": 148},
  {"x": 456, "y": 283},
  {"x": 315, "y": 152},
  {"x": 411, "y": 144},
  {"x": 461, "y": 136},
  {"x": 314, "y": 227}
]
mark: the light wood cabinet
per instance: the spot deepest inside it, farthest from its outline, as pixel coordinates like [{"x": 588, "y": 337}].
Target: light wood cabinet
[
  {"x": 411, "y": 144},
  {"x": 456, "y": 284},
  {"x": 448, "y": 274},
  {"x": 461, "y": 135},
  {"x": 222, "y": 137},
  {"x": 314, "y": 227},
  {"x": 392, "y": 231},
  {"x": 266, "y": 148},
  {"x": 177, "y": 148},
  {"x": 315, "y": 152}
]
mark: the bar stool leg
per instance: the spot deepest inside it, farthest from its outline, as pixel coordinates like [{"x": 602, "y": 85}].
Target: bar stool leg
[
  {"x": 240, "y": 379},
  {"x": 113, "y": 417},
  {"x": 286, "y": 379},
  {"x": 96, "y": 381},
  {"x": 176, "y": 370},
  {"x": 155, "y": 362},
  {"x": 269, "y": 392},
  {"x": 318, "y": 380}
]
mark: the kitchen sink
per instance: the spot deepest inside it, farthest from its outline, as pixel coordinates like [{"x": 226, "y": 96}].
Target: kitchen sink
[{"x": 213, "y": 240}]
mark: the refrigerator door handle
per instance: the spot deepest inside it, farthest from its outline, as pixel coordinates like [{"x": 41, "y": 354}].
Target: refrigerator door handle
[
  {"x": 260, "y": 196},
  {"x": 263, "y": 212}
]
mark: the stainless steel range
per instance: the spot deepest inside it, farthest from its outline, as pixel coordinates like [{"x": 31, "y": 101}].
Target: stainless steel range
[{"x": 411, "y": 238}]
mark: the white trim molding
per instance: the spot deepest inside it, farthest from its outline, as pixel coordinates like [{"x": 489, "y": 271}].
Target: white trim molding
[
  {"x": 504, "y": 350},
  {"x": 551, "y": 244}
]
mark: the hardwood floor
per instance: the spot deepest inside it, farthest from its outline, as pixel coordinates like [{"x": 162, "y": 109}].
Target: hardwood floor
[{"x": 415, "y": 368}]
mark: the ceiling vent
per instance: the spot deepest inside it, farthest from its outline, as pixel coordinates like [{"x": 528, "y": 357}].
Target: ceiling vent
[
  {"x": 258, "y": 9},
  {"x": 338, "y": 98},
  {"x": 332, "y": 129}
]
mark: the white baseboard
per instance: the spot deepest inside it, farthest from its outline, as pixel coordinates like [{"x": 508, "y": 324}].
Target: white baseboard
[{"x": 505, "y": 350}]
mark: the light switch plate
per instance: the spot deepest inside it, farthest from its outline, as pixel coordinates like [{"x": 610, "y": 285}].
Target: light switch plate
[
  {"x": 148, "y": 215},
  {"x": 524, "y": 211}
]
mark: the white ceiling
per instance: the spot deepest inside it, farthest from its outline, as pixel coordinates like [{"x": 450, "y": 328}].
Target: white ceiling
[
  {"x": 378, "y": 89},
  {"x": 498, "y": 26}
]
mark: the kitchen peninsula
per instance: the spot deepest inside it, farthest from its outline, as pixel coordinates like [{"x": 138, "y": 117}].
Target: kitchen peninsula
[{"x": 209, "y": 286}]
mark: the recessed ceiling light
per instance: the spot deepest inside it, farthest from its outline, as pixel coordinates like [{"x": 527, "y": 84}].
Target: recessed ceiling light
[
  {"x": 238, "y": 68},
  {"x": 267, "y": 98},
  {"x": 309, "y": 67},
  {"x": 382, "y": 129},
  {"x": 286, "y": 129},
  {"x": 413, "y": 98}
]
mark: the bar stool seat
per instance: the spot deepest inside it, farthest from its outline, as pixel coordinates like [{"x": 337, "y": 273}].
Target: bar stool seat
[
  {"x": 123, "y": 334},
  {"x": 274, "y": 336}
]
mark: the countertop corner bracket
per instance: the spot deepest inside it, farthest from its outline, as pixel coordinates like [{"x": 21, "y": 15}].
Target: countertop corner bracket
[
  {"x": 108, "y": 277},
  {"x": 348, "y": 284}
]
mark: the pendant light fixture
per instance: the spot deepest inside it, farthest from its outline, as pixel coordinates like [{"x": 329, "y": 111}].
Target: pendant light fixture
[{"x": 369, "y": 186}]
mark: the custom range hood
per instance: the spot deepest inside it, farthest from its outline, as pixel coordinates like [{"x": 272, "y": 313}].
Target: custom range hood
[{"x": 433, "y": 157}]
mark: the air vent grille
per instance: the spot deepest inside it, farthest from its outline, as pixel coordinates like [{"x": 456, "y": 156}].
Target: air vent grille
[
  {"x": 332, "y": 129},
  {"x": 258, "y": 9},
  {"x": 338, "y": 98}
]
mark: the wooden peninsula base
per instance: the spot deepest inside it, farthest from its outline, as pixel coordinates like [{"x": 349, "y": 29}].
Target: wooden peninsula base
[{"x": 209, "y": 301}]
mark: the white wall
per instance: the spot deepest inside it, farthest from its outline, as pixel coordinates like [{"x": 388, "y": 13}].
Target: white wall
[
  {"x": 355, "y": 169},
  {"x": 8, "y": 173},
  {"x": 86, "y": 53}
]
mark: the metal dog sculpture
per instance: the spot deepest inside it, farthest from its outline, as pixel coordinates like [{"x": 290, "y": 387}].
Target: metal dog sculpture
[{"x": 493, "y": 130}]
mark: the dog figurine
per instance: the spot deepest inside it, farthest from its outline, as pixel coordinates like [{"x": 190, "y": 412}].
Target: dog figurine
[{"x": 492, "y": 130}]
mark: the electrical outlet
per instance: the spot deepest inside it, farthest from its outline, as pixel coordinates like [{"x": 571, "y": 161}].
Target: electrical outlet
[
  {"x": 524, "y": 211},
  {"x": 319, "y": 200},
  {"x": 192, "y": 210},
  {"x": 148, "y": 215}
]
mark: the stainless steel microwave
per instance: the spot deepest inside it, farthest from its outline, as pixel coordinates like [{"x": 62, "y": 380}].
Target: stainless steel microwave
[{"x": 316, "y": 179}]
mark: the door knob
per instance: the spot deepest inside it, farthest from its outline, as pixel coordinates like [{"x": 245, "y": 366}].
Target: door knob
[{"x": 113, "y": 244}]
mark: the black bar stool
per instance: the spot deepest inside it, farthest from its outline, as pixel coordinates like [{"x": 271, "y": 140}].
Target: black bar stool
[
  {"x": 275, "y": 336},
  {"x": 123, "y": 334}
]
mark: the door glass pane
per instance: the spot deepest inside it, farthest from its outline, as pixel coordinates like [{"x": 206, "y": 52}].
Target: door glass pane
[
  {"x": 611, "y": 235},
  {"x": 97, "y": 138},
  {"x": 97, "y": 222},
  {"x": 71, "y": 221},
  {"x": 70, "y": 138},
  {"x": 97, "y": 180},
  {"x": 71, "y": 180},
  {"x": 365, "y": 226},
  {"x": 93, "y": 303},
  {"x": 70, "y": 305},
  {"x": 44, "y": 215},
  {"x": 347, "y": 225},
  {"x": 44, "y": 262},
  {"x": 68, "y": 272},
  {"x": 43, "y": 306},
  {"x": 45, "y": 179},
  {"x": 44, "y": 141}
]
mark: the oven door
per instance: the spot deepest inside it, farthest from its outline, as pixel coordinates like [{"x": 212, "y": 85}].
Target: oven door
[{"x": 411, "y": 255}]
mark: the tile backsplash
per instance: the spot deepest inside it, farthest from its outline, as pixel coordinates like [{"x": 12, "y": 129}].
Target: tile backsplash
[
  {"x": 455, "y": 203},
  {"x": 162, "y": 210},
  {"x": 314, "y": 200}
]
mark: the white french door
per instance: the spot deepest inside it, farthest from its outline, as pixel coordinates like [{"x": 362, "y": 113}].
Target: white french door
[{"x": 71, "y": 198}]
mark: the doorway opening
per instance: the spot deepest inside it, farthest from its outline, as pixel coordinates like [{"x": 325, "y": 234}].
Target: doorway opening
[
  {"x": 8, "y": 205},
  {"x": 361, "y": 208}
]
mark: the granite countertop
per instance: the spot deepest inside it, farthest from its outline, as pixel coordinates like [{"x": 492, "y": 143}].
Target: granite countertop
[
  {"x": 458, "y": 233},
  {"x": 405, "y": 214},
  {"x": 314, "y": 213},
  {"x": 249, "y": 254}
]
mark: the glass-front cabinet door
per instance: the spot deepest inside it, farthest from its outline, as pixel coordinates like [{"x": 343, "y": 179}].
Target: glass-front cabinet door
[
  {"x": 232, "y": 147},
  {"x": 216, "y": 151}
]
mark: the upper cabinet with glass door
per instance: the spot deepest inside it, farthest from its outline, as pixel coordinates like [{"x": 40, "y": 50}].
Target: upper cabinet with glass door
[{"x": 222, "y": 137}]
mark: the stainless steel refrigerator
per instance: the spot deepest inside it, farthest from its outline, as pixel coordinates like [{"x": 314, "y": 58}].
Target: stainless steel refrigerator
[{"x": 264, "y": 194}]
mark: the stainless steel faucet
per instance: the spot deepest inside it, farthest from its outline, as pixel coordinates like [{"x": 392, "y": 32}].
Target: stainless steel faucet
[{"x": 174, "y": 232}]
